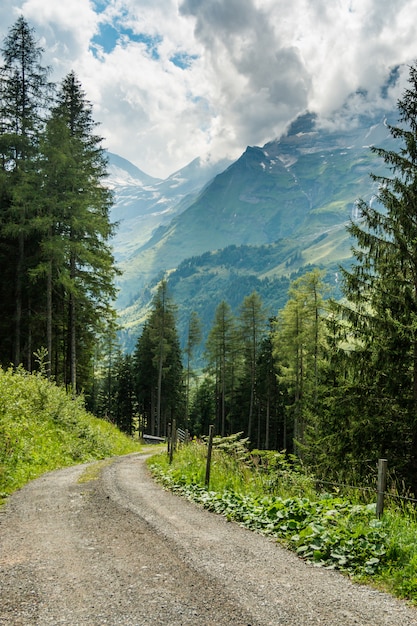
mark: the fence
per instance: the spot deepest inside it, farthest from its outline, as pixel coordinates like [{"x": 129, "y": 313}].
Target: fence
[
  {"x": 175, "y": 436},
  {"x": 152, "y": 439},
  {"x": 179, "y": 435},
  {"x": 381, "y": 488}
]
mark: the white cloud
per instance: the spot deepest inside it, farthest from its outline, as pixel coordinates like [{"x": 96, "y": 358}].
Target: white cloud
[{"x": 174, "y": 79}]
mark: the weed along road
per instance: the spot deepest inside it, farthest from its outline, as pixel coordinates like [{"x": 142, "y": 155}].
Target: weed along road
[{"x": 104, "y": 544}]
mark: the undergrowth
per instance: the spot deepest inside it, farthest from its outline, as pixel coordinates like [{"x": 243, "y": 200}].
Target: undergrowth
[
  {"x": 269, "y": 492},
  {"x": 43, "y": 428}
]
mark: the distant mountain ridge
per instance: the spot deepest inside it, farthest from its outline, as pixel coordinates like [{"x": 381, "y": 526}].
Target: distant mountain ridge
[
  {"x": 143, "y": 203},
  {"x": 291, "y": 199}
]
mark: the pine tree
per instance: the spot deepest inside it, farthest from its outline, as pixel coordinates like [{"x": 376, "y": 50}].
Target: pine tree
[
  {"x": 382, "y": 290},
  {"x": 270, "y": 398},
  {"x": 24, "y": 96},
  {"x": 158, "y": 367},
  {"x": 77, "y": 261},
  {"x": 125, "y": 398},
  {"x": 252, "y": 328},
  {"x": 193, "y": 339},
  {"x": 223, "y": 355},
  {"x": 298, "y": 342},
  {"x": 145, "y": 381},
  {"x": 162, "y": 329},
  {"x": 101, "y": 395},
  {"x": 203, "y": 407}
]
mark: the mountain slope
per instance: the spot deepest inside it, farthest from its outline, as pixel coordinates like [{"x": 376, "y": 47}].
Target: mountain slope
[
  {"x": 300, "y": 187},
  {"x": 142, "y": 203},
  {"x": 275, "y": 213},
  {"x": 200, "y": 283}
]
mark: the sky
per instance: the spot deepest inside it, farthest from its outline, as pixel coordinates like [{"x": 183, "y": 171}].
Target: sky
[{"x": 172, "y": 80}]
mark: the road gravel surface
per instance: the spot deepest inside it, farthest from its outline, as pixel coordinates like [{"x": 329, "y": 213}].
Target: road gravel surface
[{"x": 120, "y": 550}]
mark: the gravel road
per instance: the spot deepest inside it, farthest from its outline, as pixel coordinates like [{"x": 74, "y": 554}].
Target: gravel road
[{"x": 121, "y": 550}]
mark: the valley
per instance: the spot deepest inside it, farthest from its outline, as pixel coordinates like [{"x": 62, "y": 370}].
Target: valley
[{"x": 286, "y": 204}]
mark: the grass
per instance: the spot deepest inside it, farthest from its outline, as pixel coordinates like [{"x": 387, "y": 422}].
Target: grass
[
  {"x": 93, "y": 471},
  {"x": 269, "y": 493},
  {"x": 42, "y": 428},
  {"x": 400, "y": 574}
]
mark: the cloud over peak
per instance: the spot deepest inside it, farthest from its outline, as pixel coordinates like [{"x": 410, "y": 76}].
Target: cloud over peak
[{"x": 171, "y": 80}]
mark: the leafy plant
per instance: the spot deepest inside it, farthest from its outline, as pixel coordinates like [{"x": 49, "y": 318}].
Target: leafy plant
[{"x": 327, "y": 530}]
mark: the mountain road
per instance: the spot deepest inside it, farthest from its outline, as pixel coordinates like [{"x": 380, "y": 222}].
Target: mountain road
[{"x": 117, "y": 549}]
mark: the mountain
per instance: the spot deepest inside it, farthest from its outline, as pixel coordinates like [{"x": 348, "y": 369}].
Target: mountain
[
  {"x": 268, "y": 216},
  {"x": 142, "y": 203}
]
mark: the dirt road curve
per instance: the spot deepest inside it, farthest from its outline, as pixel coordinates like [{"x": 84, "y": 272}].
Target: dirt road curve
[{"x": 120, "y": 550}]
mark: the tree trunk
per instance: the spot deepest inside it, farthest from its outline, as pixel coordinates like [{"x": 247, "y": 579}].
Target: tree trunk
[
  {"x": 267, "y": 420},
  {"x": 49, "y": 320},
  {"x": 18, "y": 300},
  {"x": 158, "y": 402},
  {"x": 72, "y": 330}
]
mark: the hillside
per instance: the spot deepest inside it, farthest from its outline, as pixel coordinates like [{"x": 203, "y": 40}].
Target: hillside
[
  {"x": 43, "y": 428},
  {"x": 290, "y": 200}
]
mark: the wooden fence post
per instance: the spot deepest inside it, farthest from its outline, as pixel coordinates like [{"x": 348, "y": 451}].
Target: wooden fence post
[
  {"x": 169, "y": 440},
  {"x": 209, "y": 449},
  {"x": 173, "y": 440},
  {"x": 382, "y": 485}
]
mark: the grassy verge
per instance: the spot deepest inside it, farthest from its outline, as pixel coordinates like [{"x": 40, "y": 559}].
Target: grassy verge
[
  {"x": 269, "y": 494},
  {"x": 42, "y": 428}
]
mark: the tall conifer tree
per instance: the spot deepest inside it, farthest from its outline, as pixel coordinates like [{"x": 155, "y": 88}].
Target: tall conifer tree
[
  {"x": 145, "y": 381},
  {"x": 270, "y": 398},
  {"x": 252, "y": 327},
  {"x": 222, "y": 354},
  {"x": 24, "y": 92},
  {"x": 158, "y": 367},
  {"x": 193, "y": 339},
  {"x": 298, "y": 346},
  {"x": 77, "y": 259},
  {"x": 382, "y": 290}
]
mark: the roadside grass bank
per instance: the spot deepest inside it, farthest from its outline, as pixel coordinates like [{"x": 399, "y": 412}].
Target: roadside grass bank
[
  {"x": 267, "y": 492},
  {"x": 43, "y": 428}
]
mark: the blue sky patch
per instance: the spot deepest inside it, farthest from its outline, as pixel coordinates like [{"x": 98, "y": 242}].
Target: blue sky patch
[
  {"x": 100, "y": 5},
  {"x": 183, "y": 60},
  {"x": 107, "y": 38},
  {"x": 110, "y": 35}
]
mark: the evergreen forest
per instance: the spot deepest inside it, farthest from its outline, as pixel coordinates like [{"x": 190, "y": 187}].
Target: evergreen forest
[
  {"x": 57, "y": 267},
  {"x": 331, "y": 380}
]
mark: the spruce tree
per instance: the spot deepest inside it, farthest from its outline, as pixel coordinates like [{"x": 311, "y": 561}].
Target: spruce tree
[
  {"x": 223, "y": 363},
  {"x": 252, "y": 328},
  {"x": 145, "y": 381},
  {"x": 298, "y": 348},
  {"x": 193, "y": 339},
  {"x": 125, "y": 398},
  {"x": 270, "y": 398},
  {"x": 203, "y": 407},
  {"x": 77, "y": 260},
  {"x": 25, "y": 95},
  {"x": 24, "y": 98},
  {"x": 382, "y": 291},
  {"x": 158, "y": 367}
]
